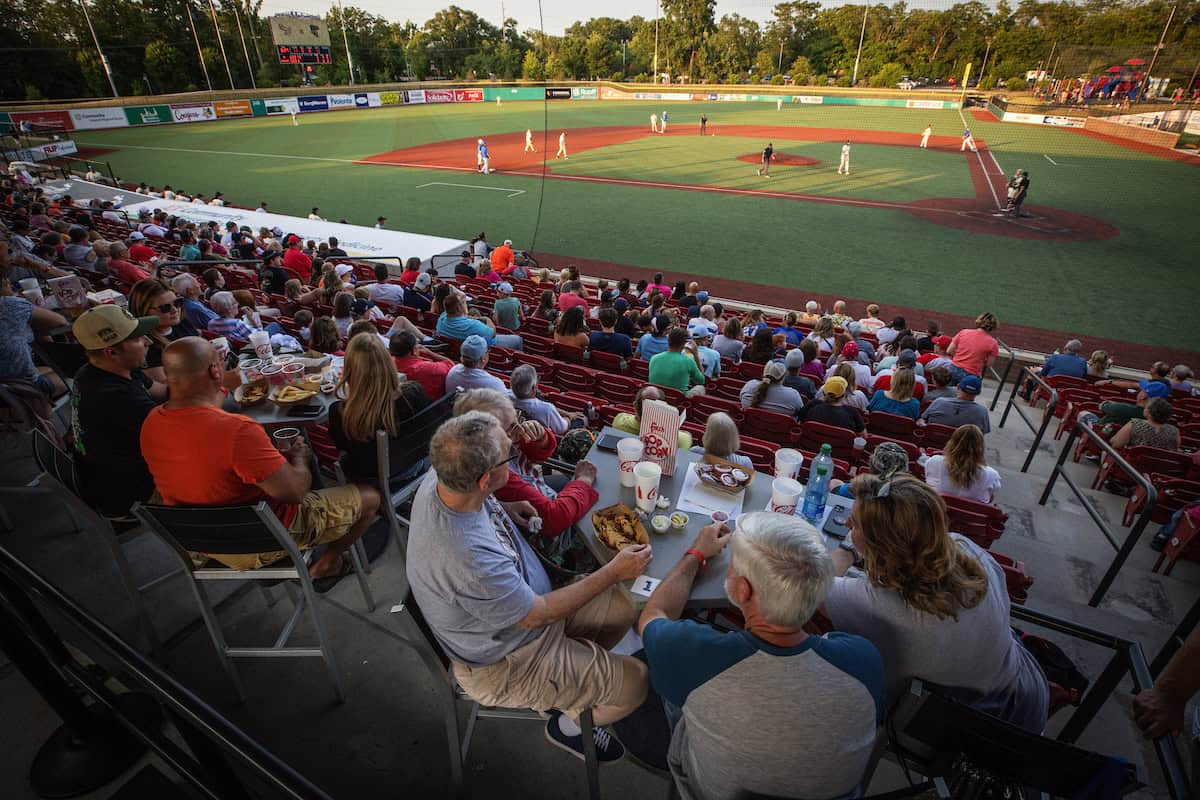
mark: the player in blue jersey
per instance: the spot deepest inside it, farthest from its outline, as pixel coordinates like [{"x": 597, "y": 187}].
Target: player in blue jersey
[{"x": 483, "y": 160}]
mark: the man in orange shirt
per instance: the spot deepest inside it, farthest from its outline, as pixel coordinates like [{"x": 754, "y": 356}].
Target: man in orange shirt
[
  {"x": 201, "y": 455},
  {"x": 502, "y": 258}
]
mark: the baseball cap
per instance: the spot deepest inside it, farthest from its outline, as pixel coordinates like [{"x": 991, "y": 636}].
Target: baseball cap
[
  {"x": 774, "y": 370},
  {"x": 702, "y": 332},
  {"x": 271, "y": 255},
  {"x": 835, "y": 386},
  {"x": 971, "y": 384},
  {"x": 137, "y": 235},
  {"x": 381, "y": 219},
  {"x": 621, "y": 304},
  {"x": 293, "y": 239},
  {"x": 943, "y": 341},
  {"x": 277, "y": 231},
  {"x": 505, "y": 287},
  {"x": 423, "y": 281},
  {"x": 1154, "y": 388},
  {"x": 794, "y": 358},
  {"x": 853, "y": 328},
  {"x": 473, "y": 347},
  {"x": 907, "y": 358},
  {"x": 850, "y": 350},
  {"x": 508, "y": 242},
  {"x": 701, "y": 296},
  {"x": 343, "y": 269},
  {"x": 109, "y": 325},
  {"x": 359, "y": 307}
]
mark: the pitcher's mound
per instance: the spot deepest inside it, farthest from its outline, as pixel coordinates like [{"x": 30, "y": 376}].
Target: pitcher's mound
[{"x": 780, "y": 160}]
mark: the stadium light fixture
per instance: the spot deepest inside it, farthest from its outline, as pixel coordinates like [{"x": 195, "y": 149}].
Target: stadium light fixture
[{"x": 103, "y": 58}]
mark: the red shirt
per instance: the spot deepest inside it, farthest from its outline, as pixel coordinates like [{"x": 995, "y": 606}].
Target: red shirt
[
  {"x": 502, "y": 258},
  {"x": 430, "y": 374},
  {"x": 409, "y": 276},
  {"x": 972, "y": 348},
  {"x": 925, "y": 358},
  {"x": 204, "y": 456},
  {"x": 140, "y": 252},
  {"x": 295, "y": 260},
  {"x": 568, "y": 299},
  {"x": 126, "y": 272}
]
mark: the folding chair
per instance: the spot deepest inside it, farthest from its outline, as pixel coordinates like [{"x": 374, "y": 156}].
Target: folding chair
[
  {"x": 242, "y": 530},
  {"x": 412, "y": 448},
  {"x": 416, "y": 633}
]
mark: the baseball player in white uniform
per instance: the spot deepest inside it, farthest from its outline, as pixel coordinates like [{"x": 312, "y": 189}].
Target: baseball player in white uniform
[
  {"x": 294, "y": 120},
  {"x": 654, "y": 123},
  {"x": 529, "y": 148},
  {"x": 478, "y": 154},
  {"x": 562, "y": 146},
  {"x": 844, "y": 164},
  {"x": 925, "y": 134},
  {"x": 968, "y": 141},
  {"x": 779, "y": 104}
]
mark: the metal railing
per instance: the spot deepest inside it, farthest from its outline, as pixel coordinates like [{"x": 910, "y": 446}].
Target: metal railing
[
  {"x": 1040, "y": 430},
  {"x": 214, "y": 744},
  {"x": 1175, "y": 641},
  {"x": 1128, "y": 660},
  {"x": 1001, "y": 377},
  {"x": 1135, "y": 533}
]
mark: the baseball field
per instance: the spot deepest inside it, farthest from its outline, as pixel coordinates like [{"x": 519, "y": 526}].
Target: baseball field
[{"x": 1102, "y": 252}]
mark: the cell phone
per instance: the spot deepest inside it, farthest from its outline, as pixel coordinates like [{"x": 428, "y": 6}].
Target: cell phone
[
  {"x": 608, "y": 442},
  {"x": 835, "y": 525},
  {"x": 304, "y": 411}
]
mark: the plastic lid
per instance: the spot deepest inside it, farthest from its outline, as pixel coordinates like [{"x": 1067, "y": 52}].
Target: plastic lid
[{"x": 826, "y": 449}]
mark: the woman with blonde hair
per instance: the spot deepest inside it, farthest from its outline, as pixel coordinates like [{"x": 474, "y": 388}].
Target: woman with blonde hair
[
  {"x": 898, "y": 397},
  {"x": 376, "y": 400},
  {"x": 1098, "y": 364},
  {"x": 933, "y": 602},
  {"x": 961, "y": 469},
  {"x": 871, "y": 323},
  {"x": 823, "y": 335},
  {"x": 721, "y": 439},
  {"x": 294, "y": 291},
  {"x": 151, "y": 297},
  {"x": 854, "y": 396}
]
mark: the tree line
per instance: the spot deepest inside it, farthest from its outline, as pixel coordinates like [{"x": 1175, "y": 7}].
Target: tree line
[{"x": 164, "y": 46}]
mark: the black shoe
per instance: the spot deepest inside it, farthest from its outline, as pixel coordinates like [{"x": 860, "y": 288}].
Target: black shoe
[
  {"x": 608, "y": 749},
  {"x": 1159, "y": 542}
]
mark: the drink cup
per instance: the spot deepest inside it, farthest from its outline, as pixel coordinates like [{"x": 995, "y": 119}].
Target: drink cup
[
  {"x": 785, "y": 495},
  {"x": 29, "y": 284},
  {"x": 646, "y": 476},
  {"x": 283, "y": 438},
  {"x": 34, "y": 296},
  {"x": 788, "y": 463},
  {"x": 262, "y": 344},
  {"x": 274, "y": 374},
  {"x": 251, "y": 370},
  {"x": 293, "y": 373},
  {"x": 629, "y": 453},
  {"x": 222, "y": 345},
  {"x": 860, "y": 443}
]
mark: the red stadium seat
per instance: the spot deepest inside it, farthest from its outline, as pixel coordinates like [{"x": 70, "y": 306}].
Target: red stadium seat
[
  {"x": 934, "y": 435},
  {"x": 637, "y": 368},
  {"x": 728, "y": 387},
  {"x": 701, "y": 406},
  {"x": 892, "y": 426},
  {"x": 617, "y": 388},
  {"x": 1147, "y": 461},
  {"x": 545, "y": 367},
  {"x": 1173, "y": 494},
  {"x": 994, "y": 515},
  {"x": 1184, "y": 543},
  {"x": 568, "y": 353},
  {"x": 608, "y": 362},
  {"x": 574, "y": 378},
  {"x": 770, "y": 426},
  {"x": 609, "y": 413},
  {"x": 811, "y": 435},
  {"x": 538, "y": 345},
  {"x": 1058, "y": 382}
]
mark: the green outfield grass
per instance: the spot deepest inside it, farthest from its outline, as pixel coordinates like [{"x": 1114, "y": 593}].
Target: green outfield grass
[{"x": 1135, "y": 287}]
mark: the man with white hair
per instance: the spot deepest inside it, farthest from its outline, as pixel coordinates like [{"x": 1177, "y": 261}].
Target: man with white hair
[
  {"x": 812, "y": 313},
  {"x": 810, "y": 734},
  {"x": 523, "y": 385},
  {"x": 513, "y": 640},
  {"x": 226, "y": 323},
  {"x": 194, "y": 311}
]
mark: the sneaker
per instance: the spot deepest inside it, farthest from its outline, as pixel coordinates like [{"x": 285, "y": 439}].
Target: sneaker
[{"x": 608, "y": 749}]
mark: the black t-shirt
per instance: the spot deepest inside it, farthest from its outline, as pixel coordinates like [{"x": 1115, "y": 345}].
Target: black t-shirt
[
  {"x": 272, "y": 279},
  {"x": 466, "y": 270},
  {"x": 359, "y": 461},
  {"x": 767, "y": 153},
  {"x": 841, "y": 416},
  {"x": 625, "y": 326},
  {"x": 615, "y": 343},
  {"x": 688, "y": 300},
  {"x": 802, "y": 385},
  {"x": 107, "y": 412},
  {"x": 154, "y": 352}
]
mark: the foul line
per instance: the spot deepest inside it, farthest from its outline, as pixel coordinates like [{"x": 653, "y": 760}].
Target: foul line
[
  {"x": 999, "y": 169},
  {"x": 1051, "y": 160},
  {"x": 986, "y": 174},
  {"x": 511, "y": 192}
]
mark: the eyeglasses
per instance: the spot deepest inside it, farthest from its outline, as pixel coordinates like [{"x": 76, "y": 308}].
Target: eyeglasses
[
  {"x": 166, "y": 308},
  {"x": 503, "y": 463}
]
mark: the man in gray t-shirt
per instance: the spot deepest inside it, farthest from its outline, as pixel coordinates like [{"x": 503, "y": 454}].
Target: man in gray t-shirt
[
  {"x": 516, "y": 642},
  {"x": 961, "y": 409}
]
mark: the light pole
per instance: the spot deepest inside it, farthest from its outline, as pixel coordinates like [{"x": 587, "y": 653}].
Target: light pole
[
  {"x": 986, "y": 53},
  {"x": 657, "y": 13},
  {"x": 245, "y": 51},
  {"x": 346, "y": 40},
  {"x": 862, "y": 35},
  {"x": 217, "y": 30},
  {"x": 199, "y": 52},
  {"x": 1154, "y": 58},
  {"x": 103, "y": 58}
]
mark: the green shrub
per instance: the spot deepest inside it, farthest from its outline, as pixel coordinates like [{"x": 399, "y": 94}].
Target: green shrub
[{"x": 1016, "y": 84}]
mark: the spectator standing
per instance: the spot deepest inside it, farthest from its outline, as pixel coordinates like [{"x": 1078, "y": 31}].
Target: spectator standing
[
  {"x": 961, "y": 409},
  {"x": 973, "y": 350},
  {"x": 961, "y": 469},
  {"x": 469, "y": 373},
  {"x": 733, "y": 737}
]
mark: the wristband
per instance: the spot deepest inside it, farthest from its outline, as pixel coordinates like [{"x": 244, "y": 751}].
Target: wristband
[{"x": 699, "y": 557}]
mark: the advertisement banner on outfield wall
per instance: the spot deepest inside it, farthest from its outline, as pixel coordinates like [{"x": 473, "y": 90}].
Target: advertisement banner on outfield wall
[
  {"x": 313, "y": 102},
  {"x": 282, "y": 105},
  {"x": 1064, "y": 122},
  {"x": 439, "y": 95},
  {"x": 924, "y": 104},
  {"x": 192, "y": 112},
  {"x": 148, "y": 115},
  {"x": 362, "y": 101},
  {"x": 389, "y": 98},
  {"x": 730, "y": 98},
  {"x": 660, "y": 96},
  {"x": 258, "y": 108},
  {"x": 87, "y": 119},
  {"x": 558, "y": 94},
  {"x": 232, "y": 108},
  {"x": 60, "y": 119},
  {"x": 609, "y": 93},
  {"x": 584, "y": 93},
  {"x": 413, "y": 96},
  {"x": 341, "y": 100},
  {"x": 468, "y": 95},
  {"x": 808, "y": 99}
]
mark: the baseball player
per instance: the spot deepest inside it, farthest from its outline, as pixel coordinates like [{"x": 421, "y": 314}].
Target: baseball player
[
  {"x": 663, "y": 123},
  {"x": 703, "y": 124},
  {"x": 484, "y": 158},
  {"x": 294, "y": 120},
  {"x": 844, "y": 164},
  {"x": 562, "y": 146},
  {"x": 925, "y": 134},
  {"x": 654, "y": 123},
  {"x": 968, "y": 141},
  {"x": 529, "y": 148},
  {"x": 767, "y": 154},
  {"x": 779, "y": 104},
  {"x": 478, "y": 155}
]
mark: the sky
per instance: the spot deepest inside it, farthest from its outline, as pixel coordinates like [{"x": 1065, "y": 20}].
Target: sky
[{"x": 556, "y": 14}]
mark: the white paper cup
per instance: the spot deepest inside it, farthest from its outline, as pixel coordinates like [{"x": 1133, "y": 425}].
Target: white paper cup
[
  {"x": 860, "y": 443},
  {"x": 262, "y": 344},
  {"x": 251, "y": 370},
  {"x": 29, "y": 284},
  {"x": 646, "y": 476},
  {"x": 785, "y": 495},
  {"x": 34, "y": 296},
  {"x": 222, "y": 345},
  {"x": 788, "y": 463},
  {"x": 293, "y": 373},
  {"x": 629, "y": 453}
]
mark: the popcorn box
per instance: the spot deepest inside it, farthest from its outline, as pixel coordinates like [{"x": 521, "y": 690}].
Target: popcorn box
[{"x": 660, "y": 434}]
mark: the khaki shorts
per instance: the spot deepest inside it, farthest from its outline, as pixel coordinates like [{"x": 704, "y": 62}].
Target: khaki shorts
[
  {"x": 323, "y": 516},
  {"x": 564, "y": 668}
]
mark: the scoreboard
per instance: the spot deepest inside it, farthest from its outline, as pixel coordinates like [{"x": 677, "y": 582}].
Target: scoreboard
[{"x": 303, "y": 54}]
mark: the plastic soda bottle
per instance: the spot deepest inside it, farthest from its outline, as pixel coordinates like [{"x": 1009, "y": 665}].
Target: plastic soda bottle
[{"x": 819, "y": 473}]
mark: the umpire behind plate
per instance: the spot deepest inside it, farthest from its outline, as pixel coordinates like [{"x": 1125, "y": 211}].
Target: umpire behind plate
[{"x": 1018, "y": 188}]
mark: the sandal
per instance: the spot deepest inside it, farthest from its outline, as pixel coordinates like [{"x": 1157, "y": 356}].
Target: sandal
[{"x": 324, "y": 584}]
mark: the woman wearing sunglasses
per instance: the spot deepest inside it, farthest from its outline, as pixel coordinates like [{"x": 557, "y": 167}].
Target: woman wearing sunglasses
[
  {"x": 152, "y": 297},
  {"x": 933, "y": 602}
]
